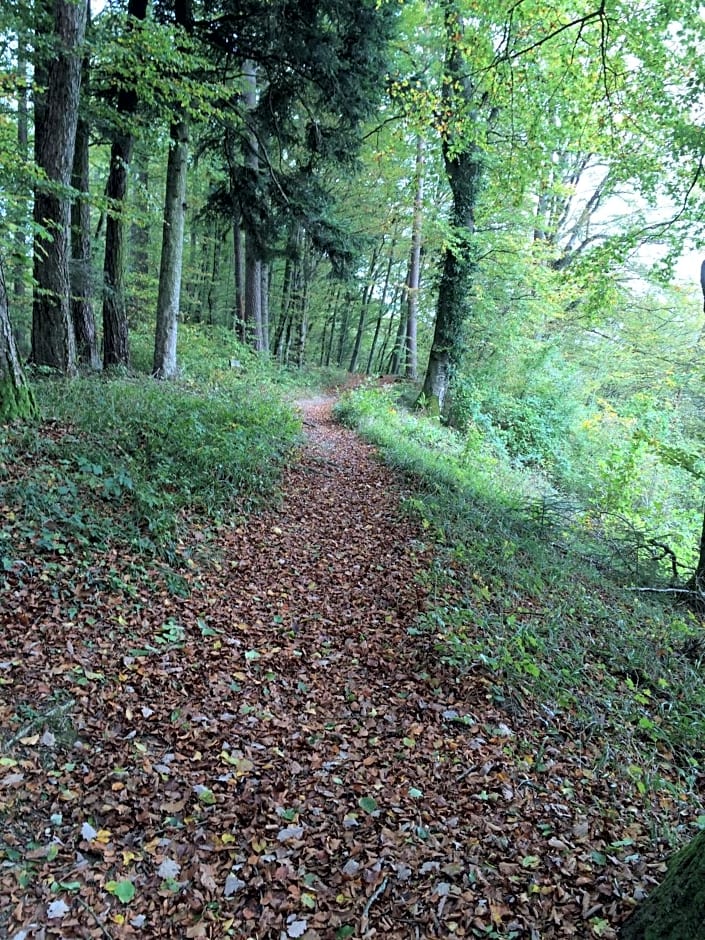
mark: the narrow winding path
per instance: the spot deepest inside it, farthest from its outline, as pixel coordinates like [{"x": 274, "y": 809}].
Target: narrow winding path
[{"x": 291, "y": 760}]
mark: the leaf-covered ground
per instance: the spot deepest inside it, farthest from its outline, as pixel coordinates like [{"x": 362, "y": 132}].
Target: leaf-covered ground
[{"x": 275, "y": 755}]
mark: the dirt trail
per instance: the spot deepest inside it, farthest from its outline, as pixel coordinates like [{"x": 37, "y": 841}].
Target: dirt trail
[{"x": 295, "y": 763}]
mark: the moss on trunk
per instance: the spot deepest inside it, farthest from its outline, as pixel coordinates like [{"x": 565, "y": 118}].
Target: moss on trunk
[
  {"x": 676, "y": 909},
  {"x": 16, "y": 402}
]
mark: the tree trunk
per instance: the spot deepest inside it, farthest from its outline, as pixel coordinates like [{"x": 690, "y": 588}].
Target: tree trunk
[
  {"x": 53, "y": 340},
  {"x": 676, "y": 909},
  {"x": 382, "y": 305},
  {"x": 364, "y": 306},
  {"x": 388, "y": 330},
  {"x": 164, "y": 366},
  {"x": 20, "y": 263},
  {"x": 462, "y": 157},
  {"x": 139, "y": 227},
  {"x": 16, "y": 398},
  {"x": 343, "y": 331},
  {"x": 396, "y": 359},
  {"x": 239, "y": 264},
  {"x": 253, "y": 260},
  {"x": 116, "y": 350},
  {"x": 414, "y": 273},
  {"x": 264, "y": 291},
  {"x": 81, "y": 270}
]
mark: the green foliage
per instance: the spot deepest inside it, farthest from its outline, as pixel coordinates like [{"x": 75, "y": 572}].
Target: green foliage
[
  {"x": 129, "y": 457},
  {"x": 539, "y": 621}
]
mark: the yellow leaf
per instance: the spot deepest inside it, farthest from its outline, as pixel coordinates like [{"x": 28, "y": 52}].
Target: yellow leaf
[
  {"x": 104, "y": 836},
  {"x": 227, "y": 838}
]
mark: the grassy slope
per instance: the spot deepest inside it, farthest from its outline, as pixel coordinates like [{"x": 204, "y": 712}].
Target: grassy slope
[
  {"x": 549, "y": 629},
  {"x": 123, "y": 465}
]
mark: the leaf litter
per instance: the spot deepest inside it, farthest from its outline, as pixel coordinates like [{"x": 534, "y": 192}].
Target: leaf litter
[{"x": 274, "y": 755}]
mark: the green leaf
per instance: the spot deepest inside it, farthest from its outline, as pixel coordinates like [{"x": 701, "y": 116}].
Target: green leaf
[
  {"x": 530, "y": 861},
  {"x": 342, "y": 933},
  {"x": 205, "y": 795},
  {"x": 415, "y": 793},
  {"x": 123, "y": 890},
  {"x": 205, "y": 629},
  {"x": 368, "y": 804}
]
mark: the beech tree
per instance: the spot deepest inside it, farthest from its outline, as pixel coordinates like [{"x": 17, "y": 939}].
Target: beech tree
[
  {"x": 116, "y": 349},
  {"x": 82, "y": 314},
  {"x": 168, "y": 297},
  {"x": 56, "y": 118}
]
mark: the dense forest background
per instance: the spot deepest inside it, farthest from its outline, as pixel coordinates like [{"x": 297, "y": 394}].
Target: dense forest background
[
  {"x": 492, "y": 198},
  {"x": 480, "y": 220}
]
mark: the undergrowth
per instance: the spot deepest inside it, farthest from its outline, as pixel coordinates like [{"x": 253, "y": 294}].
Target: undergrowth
[
  {"x": 126, "y": 461},
  {"x": 547, "y": 624}
]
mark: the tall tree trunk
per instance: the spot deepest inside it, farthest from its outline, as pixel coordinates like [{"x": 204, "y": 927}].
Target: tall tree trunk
[
  {"x": 81, "y": 268},
  {"x": 463, "y": 160},
  {"x": 334, "y": 317},
  {"x": 676, "y": 909},
  {"x": 19, "y": 266},
  {"x": 253, "y": 294},
  {"x": 16, "y": 398},
  {"x": 414, "y": 273},
  {"x": 56, "y": 117},
  {"x": 164, "y": 366},
  {"x": 253, "y": 260},
  {"x": 116, "y": 350},
  {"x": 212, "y": 277},
  {"x": 382, "y": 305},
  {"x": 388, "y": 331},
  {"x": 266, "y": 274},
  {"x": 364, "y": 306},
  {"x": 239, "y": 264},
  {"x": 344, "y": 323},
  {"x": 139, "y": 227},
  {"x": 398, "y": 354}
]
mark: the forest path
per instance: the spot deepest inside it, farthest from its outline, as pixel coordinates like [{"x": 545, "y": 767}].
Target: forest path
[{"x": 275, "y": 755}]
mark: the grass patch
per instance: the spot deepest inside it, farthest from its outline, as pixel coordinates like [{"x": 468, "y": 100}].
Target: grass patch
[
  {"x": 550, "y": 629},
  {"x": 124, "y": 461}
]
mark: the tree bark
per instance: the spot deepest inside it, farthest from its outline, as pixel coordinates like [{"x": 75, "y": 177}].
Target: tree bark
[
  {"x": 676, "y": 909},
  {"x": 56, "y": 117},
  {"x": 364, "y": 306},
  {"x": 382, "y": 305},
  {"x": 239, "y": 266},
  {"x": 139, "y": 227},
  {"x": 16, "y": 398},
  {"x": 82, "y": 314},
  {"x": 462, "y": 157},
  {"x": 253, "y": 260},
  {"x": 414, "y": 273},
  {"x": 165, "y": 366},
  {"x": 116, "y": 350},
  {"x": 20, "y": 237}
]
